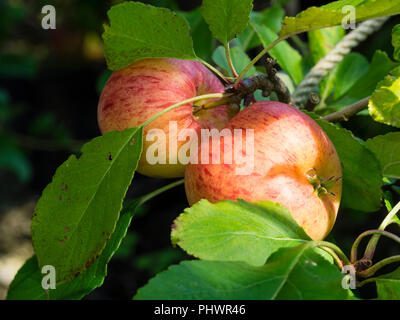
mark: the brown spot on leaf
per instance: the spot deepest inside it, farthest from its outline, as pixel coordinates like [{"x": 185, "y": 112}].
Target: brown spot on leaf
[
  {"x": 90, "y": 262},
  {"x": 132, "y": 142},
  {"x": 59, "y": 198},
  {"x": 109, "y": 156},
  {"x": 66, "y": 228},
  {"x": 64, "y": 187}
]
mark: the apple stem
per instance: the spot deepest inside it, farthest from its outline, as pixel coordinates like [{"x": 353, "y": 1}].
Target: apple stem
[
  {"x": 151, "y": 195},
  {"x": 229, "y": 59},
  {"x": 226, "y": 100},
  {"x": 215, "y": 70},
  {"x": 179, "y": 104}
]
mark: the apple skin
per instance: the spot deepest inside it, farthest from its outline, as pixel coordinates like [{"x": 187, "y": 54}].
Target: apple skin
[
  {"x": 135, "y": 93},
  {"x": 287, "y": 144}
]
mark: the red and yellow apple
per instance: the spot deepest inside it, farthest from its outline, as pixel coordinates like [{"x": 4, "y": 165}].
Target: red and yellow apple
[
  {"x": 134, "y": 94},
  {"x": 295, "y": 164}
]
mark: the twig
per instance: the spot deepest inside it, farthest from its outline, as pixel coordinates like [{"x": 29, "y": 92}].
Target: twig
[
  {"x": 259, "y": 82},
  {"x": 245, "y": 91},
  {"x": 312, "y": 102},
  {"x": 267, "y": 84},
  {"x": 347, "y": 112},
  {"x": 278, "y": 85},
  {"x": 258, "y": 57}
]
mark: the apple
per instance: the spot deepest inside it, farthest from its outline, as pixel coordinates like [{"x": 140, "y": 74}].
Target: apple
[
  {"x": 295, "y": 164},
  {"x": 134, "y": 94}
]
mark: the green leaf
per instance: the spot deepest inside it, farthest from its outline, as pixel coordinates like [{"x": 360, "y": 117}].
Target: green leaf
[
  {"x": 384, "y": 105},
  {"x": 362, "y": 178},
  {"x": 78, "y": 210},
  {"x": 387, "y": 150},
  {"x": 236, "y": 231},
  {"x": 239, "y": 59},
  {"x": 297, "y": 273},
  {"x": 380, "y": 66},
  {"x": 140, "y": 31},
  {"x": 321, "y": 43},
  {"x": 27, "y": 283},
  {"x": 226, "y": 18},
  {"x": 396, "y": 42},
  {"x": 202, "y": 37},
  {"x": 288, "y": 58},
  {"x": 348, "y": 73},
  {"x": 271, "y": 17},
  {"x": 388, "y": 285},
  {"x": 331, "y": 15}
]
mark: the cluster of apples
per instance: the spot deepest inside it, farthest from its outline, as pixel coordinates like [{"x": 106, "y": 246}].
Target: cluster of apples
[{"x": 294, "y": 160}]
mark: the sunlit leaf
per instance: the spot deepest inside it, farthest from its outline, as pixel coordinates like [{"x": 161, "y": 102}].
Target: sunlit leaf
[
  {"x": 138, "y": 31},
  {"x": 236, "y": 231},
  {"x": 77, "y": 212}
]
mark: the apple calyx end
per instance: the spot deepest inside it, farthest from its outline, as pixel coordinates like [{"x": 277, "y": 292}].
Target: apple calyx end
[{"x": 321, "y": 186}]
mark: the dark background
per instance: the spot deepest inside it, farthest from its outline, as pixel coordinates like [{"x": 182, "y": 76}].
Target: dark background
[{"x": 50, "y": 81}]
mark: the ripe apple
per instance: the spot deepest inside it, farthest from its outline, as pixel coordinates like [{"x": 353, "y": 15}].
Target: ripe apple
[
  {"x": 295, "y": 164},
  {"x": 134, "y": 94}
]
